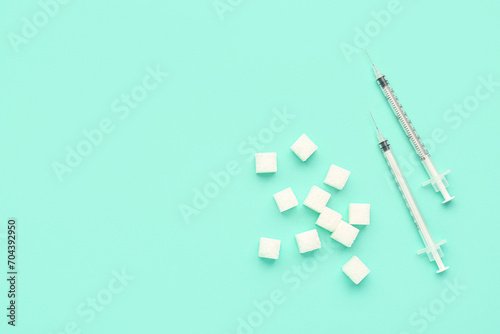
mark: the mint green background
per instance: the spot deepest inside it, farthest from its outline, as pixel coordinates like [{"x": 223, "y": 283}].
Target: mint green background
[{"x": 120, "y": 207}]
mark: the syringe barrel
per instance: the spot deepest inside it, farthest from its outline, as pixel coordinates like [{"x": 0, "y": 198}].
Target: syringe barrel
[
  {"x": 412, "y": 205},
  {"x": 405, "y": 122},
  {"x": 432, "y": 249}
]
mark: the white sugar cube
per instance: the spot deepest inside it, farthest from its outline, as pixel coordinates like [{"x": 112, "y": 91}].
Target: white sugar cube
[
  {"x": 317, "y": 199},
  {"x": 269, "y": 248},
  {"x": 285, "y": 199},
  {"x": 266, "y": 163},
  {"x": 345, "y": 233},
  {"x": 304, "y": 147},
  {"x": 329, "y": 219},
  {"x": 337, "y": 177},
  {"x": 308, "y": 241},
  {"x": 359, "y": 214},
  {"x": 355, "y": 269}
]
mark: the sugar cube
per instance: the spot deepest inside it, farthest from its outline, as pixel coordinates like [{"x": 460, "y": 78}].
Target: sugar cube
[
  {"x": 329, "y": 219},
  {"x": 285, "y": 199},
  {"x": 266, "y": 163},
  {"x": 269, "y": 248},
  {"x": 345, "y": 233},
  {"x": 308, "y": 241},
  {"x": 359, "y": 214},
  {"x": 304, "y": 147},
  {"x": 355, "y": 269},
  {"x": 317, "y": 199},
  {"x": 337, "y": 177}
]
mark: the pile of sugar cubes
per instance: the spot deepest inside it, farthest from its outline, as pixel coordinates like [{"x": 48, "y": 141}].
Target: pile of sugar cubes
[{"x": 317, "y": 199}]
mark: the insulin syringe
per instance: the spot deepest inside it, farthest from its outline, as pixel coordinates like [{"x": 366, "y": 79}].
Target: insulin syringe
[
  {"x": 432, "y": 248},
  {"x": 437, "y": 179}
]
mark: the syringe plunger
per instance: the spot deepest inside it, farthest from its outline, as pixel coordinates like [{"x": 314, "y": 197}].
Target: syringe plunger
[
  {"x": 435, "y": 253},
  {"x": 437, "y": 179}
]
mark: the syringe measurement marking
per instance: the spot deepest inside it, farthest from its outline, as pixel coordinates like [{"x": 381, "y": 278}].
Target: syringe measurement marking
[{"x": 408, "y": 127}]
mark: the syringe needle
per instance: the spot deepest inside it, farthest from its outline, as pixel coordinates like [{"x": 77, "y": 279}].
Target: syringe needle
[
  {"x": 378, "y": 74},
  {"x": 369, "y": 58},
  {"x": 373, "y": 119},
  {"x": 380, "y": 137}
]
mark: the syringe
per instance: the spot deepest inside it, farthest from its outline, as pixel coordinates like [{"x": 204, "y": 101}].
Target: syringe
[
  {"x": 437, "y": 179},
  {"x": 432, "y": 248}
]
